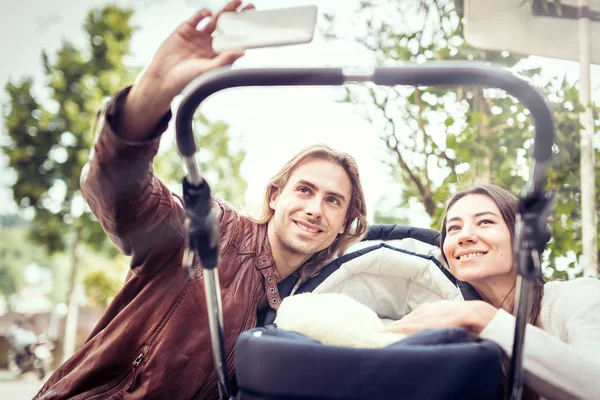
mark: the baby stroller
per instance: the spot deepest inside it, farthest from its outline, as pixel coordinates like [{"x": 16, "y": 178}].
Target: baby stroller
[{"x": 440, "y": 364}]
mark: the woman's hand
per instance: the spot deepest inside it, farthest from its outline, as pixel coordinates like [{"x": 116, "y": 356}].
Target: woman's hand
[
  {"x": 186, "y": 54},
  {"x": 471, "y": 315}
]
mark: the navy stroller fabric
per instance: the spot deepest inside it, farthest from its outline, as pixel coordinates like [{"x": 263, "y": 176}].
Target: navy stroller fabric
[
  {"x": 445, "y": 364},
  {"x": 273, "y": 363}
]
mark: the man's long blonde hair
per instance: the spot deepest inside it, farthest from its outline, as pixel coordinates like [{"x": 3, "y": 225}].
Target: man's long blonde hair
[{"x": 356, "y": 217}]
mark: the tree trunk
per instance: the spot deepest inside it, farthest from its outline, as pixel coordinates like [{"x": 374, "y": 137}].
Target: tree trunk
[
  {"x": 70, "y": 328},
  {"x": 6, "y": 297}
]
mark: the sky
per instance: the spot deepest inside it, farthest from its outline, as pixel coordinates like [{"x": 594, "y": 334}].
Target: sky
[{"x": 271, "y": 124}]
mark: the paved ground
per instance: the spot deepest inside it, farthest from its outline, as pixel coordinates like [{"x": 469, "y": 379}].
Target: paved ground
[{"x": 18, "y": 389}]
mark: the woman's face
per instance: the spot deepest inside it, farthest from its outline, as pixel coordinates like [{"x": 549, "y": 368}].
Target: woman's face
[{"x": 478, "y": 244}]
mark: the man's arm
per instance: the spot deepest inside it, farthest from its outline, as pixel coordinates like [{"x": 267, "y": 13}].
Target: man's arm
[
  {"x": 119, "y": 185},
  {"x": 135, "y": 209},
  {"x": 184, "y": 55},
  {"x": 553, "y": 368}
]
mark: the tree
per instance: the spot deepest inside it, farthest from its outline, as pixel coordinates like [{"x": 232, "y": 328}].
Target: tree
[
  {"x": 219, "y": 161},
  {"x": 17, "y": 252},
  {"x": 412, "y": 118},
  {"x": 439, "y": 140},
  {"x": 50, "y": 143},
  {"x": 8, "y": 277},
  {"x": 565, "y": 177},
  {"x": 10, "y": 256}
]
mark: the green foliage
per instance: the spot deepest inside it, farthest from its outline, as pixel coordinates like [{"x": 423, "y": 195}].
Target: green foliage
[
  {"x": 105, "y": 271},
  {"x": 47, "y": 149},
  {"x": 16, "y": 252},
  {"x": 103, "y": 277},
  {"x": 565, "y": 176},
  {"x": 50, "y": 143},
  {"x": 415, "y": 120},
  {"x": 99, "y": 286},
  {"x": 442, "y": 139},
  {"x": 8, "y": 284},
  {"x": 219, "y": 161}
]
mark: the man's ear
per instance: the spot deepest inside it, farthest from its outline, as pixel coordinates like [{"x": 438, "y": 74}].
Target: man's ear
[{"x": 273, "y": 198}]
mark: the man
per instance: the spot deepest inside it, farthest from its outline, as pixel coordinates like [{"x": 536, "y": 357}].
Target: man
[{"x": 153, "y": 340}]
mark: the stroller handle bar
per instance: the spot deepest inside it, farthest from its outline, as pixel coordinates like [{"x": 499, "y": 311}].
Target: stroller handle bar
[
  {"x": 429, "y": 74},
  {"x": 534, "y": 203}
]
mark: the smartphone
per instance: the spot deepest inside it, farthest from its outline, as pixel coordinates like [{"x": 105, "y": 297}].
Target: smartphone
[{"x": 250, "y": 29}]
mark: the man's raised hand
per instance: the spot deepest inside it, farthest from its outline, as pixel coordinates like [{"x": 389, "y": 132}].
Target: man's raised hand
[{"x": 186, "y": 54}]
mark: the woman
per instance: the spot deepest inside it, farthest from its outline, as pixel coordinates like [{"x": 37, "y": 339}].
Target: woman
[{"x": 562, "y": 341}]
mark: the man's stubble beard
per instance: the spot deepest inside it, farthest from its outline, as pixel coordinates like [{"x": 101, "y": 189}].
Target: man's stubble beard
[{"x": 298, "y": 246}]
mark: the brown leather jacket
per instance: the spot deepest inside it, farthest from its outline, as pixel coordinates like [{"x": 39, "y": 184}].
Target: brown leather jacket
[{"x": 153, "y": 341}]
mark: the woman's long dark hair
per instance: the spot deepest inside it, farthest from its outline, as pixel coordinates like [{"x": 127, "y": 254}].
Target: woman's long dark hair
[{"x": 508, "y": 205}]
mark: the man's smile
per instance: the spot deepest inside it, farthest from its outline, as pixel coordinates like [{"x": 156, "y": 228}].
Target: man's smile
[{"x": 308, "y": 227}]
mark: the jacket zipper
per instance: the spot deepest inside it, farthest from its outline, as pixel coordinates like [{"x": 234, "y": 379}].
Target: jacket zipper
[
  {"x": 134, "y": 366},
  {"x": 140, "y": 358},
  {"x": 120, "y": 383}
]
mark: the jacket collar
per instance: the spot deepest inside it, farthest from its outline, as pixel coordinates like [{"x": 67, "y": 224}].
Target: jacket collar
[{"x": 264, "y": 253}]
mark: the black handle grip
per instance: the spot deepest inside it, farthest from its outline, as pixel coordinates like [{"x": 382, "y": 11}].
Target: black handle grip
[{"x": 203, "y": 230}]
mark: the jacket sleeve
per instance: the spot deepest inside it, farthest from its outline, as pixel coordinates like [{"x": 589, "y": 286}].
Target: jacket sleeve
[
  {"x": 136, "y": 210},
  {"x": 555, "y": 368}
]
